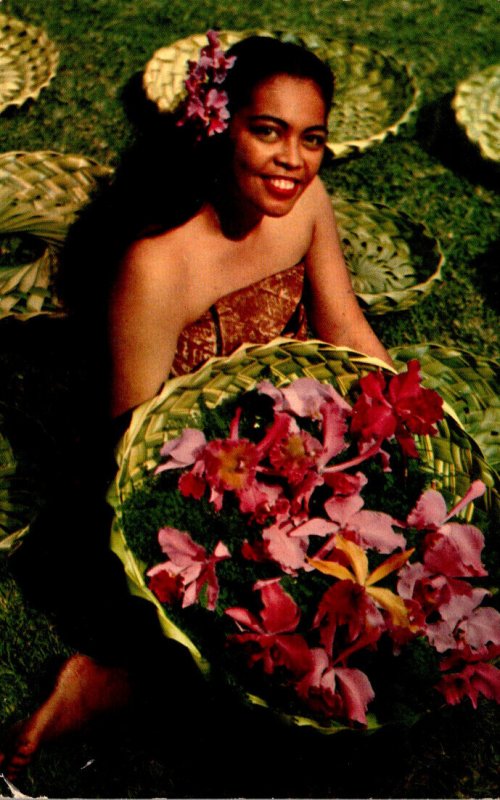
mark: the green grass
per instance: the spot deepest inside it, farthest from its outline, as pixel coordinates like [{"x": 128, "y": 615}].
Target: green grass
[{"x": 430, "y": 172}]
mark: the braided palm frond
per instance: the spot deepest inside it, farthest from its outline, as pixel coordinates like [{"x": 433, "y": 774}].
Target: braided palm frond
[
  {"x": 393, "y": 260},
  {"x": 477, "y": 109},
  {"x": 41, "y": 194},
  {"x": 28, "y": 61}
]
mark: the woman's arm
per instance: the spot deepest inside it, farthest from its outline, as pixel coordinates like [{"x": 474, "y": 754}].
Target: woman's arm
[
  {"x": 145, "y": 320},
  {"x": 333, "y": 309}
]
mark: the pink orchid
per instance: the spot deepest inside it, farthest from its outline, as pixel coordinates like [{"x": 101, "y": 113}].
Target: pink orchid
[
  {"x": 273, "y": 639},
  {"x": 182, "y": 451},
  {"x": 370, "y": 529},
  {"x": 289, "y": 552},
  {"x": 299, "y": 503},
  {"x": 460, "y": 621},
  {"x": 463, "y": 623},
  {"x": 205, "y": 103},
  {"x": 262, "y": 500},
  {"x": 451, "y": 548},
  {"x": 212, "y": 57},
  {"x": 335, "y": 691},
  {"x": 167, "y": 586},
  {"x": 189, "y": 562},
  {"x": 231, "y": 465},
  {"x": 217, "y": 113},
  {"x": 474, "y": 680},
  {"x": 295, "y": 455},
  {"x": 373, "y": 529},
  {"x": 438, "y": 594},
  {"x": 305, "y": 397},
  {"x": 309, "y": 398},
  {"x": 480, "y": 628}
]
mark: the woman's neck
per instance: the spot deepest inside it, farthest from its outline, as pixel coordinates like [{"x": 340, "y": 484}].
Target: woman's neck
[{"x": 237, "y": 218}]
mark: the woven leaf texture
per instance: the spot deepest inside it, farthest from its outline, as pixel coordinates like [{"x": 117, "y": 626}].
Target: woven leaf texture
[
  {"x": 393, "y": 260},
  {"x": 40, "y": 195},
  {"x": 477, "y": 109},
  {"x": 28, "y": 61}
]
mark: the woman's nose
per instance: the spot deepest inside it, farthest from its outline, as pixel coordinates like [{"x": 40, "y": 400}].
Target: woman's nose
[{"x": 290, "y": 155}]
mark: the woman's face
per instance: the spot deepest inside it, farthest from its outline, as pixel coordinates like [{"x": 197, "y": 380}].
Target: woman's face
[{"x": 279, "y": 141}]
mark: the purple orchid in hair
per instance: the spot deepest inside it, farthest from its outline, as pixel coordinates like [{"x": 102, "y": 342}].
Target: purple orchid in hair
[{"x": 205, "y": 104}]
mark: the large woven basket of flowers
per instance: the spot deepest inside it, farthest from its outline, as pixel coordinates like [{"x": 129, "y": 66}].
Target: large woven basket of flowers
[{"x": 260, "y": 502}]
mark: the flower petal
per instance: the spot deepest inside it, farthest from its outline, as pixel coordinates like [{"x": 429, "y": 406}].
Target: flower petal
[
  {"x": 389, "y": 565},
  {"x": 393, "y": 604}
]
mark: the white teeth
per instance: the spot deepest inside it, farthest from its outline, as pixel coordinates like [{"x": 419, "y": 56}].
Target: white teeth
[{"x": 282, "y": 183}]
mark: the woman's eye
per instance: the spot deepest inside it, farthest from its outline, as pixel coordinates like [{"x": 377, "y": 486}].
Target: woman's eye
[
  {"x": 315, "y": 141},
  {"x": 266, "y": 133}
]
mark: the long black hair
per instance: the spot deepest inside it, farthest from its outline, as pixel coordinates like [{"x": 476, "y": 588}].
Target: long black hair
[{"x": 169, "y": 173}]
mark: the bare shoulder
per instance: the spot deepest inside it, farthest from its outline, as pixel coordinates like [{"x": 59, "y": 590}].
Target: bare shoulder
[
  {"x": 150, "y": 272},
  {"x": 150, "y": 258},
  {"x": 318, "y": 202}
]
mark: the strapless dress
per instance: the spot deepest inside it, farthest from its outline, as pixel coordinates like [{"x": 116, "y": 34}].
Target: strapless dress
[{"x": 257, "y": 313}]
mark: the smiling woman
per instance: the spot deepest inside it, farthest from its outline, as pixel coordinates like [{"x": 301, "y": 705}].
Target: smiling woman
[
  {"x": 193, "y": 273},
  {"x": 279, "y": 140}
]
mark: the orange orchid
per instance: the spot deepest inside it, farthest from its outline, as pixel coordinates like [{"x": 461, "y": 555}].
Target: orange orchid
[{"x": 358, "y": 573}]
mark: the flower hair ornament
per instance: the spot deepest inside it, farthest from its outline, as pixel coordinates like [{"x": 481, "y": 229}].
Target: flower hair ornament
[{"x": 206, "y": 104}]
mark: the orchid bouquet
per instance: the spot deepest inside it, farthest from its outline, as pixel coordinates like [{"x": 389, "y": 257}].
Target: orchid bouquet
[
  {"x": 206, "y": 103},
  {"x": 303, "y": 551}
]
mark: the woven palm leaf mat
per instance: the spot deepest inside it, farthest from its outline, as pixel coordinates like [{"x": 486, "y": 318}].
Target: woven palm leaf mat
[
  {"x": 28, "y": 61},
  {"x": 477, "y": 109},
  {"x": 469, "y": 383},
  {"x": 374, "y": 93},
  {"x": 451, "y": 458},
  {"x": 394, "y": 262},
  {"x": 40, "y": 195}
]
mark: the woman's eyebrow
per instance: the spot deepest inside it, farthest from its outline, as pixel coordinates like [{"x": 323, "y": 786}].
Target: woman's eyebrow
[{"x": 282, "y": 123}]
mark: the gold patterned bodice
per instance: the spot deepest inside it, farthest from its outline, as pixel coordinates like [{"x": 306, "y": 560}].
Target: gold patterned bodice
[{"x": 257, "y": 313}]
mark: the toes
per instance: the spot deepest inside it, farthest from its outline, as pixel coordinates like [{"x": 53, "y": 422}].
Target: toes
[{"x": 16, "y": 758}]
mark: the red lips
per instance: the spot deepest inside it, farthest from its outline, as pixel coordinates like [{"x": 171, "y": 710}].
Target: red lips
[{"x": 282, "y": 188}]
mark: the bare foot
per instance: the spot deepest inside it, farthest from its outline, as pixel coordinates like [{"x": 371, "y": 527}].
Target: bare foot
[{"x": 84, "y": 689}]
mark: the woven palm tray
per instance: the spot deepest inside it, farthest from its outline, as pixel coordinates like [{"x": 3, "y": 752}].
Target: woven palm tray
[
  {"x": 40, "y": 195},
  {"x": 451, "y": 457},
  {"x": 28, "y": 61},
  {"x": 393, "y": 260},
  {"x": 374, "y": 93},
  {"x": 469, "y": 383},
  {"x": 477, "y": 109}
]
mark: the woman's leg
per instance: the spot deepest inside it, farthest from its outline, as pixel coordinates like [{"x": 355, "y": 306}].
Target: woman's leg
[{"x": 122, "y": 654}]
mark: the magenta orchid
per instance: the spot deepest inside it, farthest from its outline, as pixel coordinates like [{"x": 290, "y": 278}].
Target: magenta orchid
[
  {"x": 450, "y": 547},
  {"x": 273, "y": 639},
  {"x": 205, "y": 104},
  {"x": 400, "y": 407},
  {"x": 340, "y": 692},
  {"x": 189, "y": 568}
]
